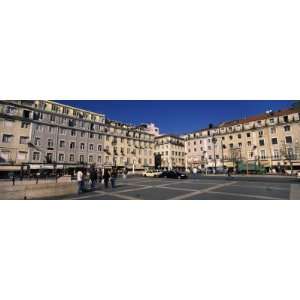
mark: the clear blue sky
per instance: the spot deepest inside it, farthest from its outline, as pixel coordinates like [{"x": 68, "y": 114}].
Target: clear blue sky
[{"x": 177, "y": 116}]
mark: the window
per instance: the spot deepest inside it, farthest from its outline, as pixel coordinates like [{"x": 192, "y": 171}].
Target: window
[
  {"x": 49, "y": 157},
  {"x": 287, "y": 128},
  {"x": 230, "y": 137},
  {"x": 248, "y": 134},
  {"x": 62, "y": 144},
  {"x": 271, "y": 121},
  {"x": 99, "y": 148},
  {"x": 260, "y": 133},
  {"x": 22, "y": 155},
  {"x": 273, "y": 130},
  {"x": 195, "y": 143},
  {"x": 240, "y": 145},
  {"x": 36, "y": 156},
  {"x": 82, "y": 134},
  {"x": 288, "y": 139},
  {"x": 37, "y": 141},
  {"x": 91, "y": 159},
  {"x": 65, "y": 111},
  {"x": 26, "y": 114},
  {"x": 276, "y": 153},
  {"x": 231, "y": 145},
  {"x": 72, "y": 157},
  {"x": 285, "y": 118},
  {"x": 99, "y": 137},
  {"x": 72, "y": 145},
  {"x": 62, "y": 131},
  {"x": 50, "y": 129},
  {"x": 7, "y": 138},
  {"x": 239, "y": 136},
  {"x": 61, "y": 157},
  {"x": 99, "y": 159},
  {"x": 195, "y": 149},
  {"x": 50, "y": 143},
  {"x": 72, "y": 123},
  {"x": 263, "y": 154},
  {"x": 91, "y": 147},
  {"x": 52, "y": 118},
  {"x": 24, "y": 139},
  {"x": 81, "y": 158},
  {"x": 81, "y": 146},
  {"x": 261, "y": 142},
  {"x": 73, "y": 132},
  {"x": 91, "y": 135},
  {"x": 249, "y": 143},
  {"x": 209, "y": 156},
  {"x": 274, "y": 141}
]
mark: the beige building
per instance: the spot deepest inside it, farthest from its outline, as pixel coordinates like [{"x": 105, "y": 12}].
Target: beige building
[
  {"x": 128, "y": 146},
  {"x": 170, "y": 151},
  {"x": 270, "y": 140}
]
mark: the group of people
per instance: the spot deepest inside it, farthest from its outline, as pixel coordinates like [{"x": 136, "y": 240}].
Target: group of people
[{"x": 93, "y": 176}]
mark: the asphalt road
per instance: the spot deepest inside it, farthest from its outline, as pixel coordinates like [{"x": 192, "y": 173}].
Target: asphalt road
[{"x": 200, "y": 188}]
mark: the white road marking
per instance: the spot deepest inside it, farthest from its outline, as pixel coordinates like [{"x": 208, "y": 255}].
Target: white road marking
[
  {"x": 203, "y": 191},
  {"x": 243, "y": 195},
  {"x": 117, "y": 195},
  {"x": 264, "y": 187}
]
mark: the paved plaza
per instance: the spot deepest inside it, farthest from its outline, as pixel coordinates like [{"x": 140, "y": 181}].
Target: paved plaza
[{"x": 209, "y": 188}]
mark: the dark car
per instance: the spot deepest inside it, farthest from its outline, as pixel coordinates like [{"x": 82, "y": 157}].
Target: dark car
[{"x": 173, "y": 174}]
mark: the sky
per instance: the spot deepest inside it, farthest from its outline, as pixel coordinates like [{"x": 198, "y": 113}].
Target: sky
[{"x": 177, "y": 117}]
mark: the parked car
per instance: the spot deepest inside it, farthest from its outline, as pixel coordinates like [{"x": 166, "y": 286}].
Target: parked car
[
  {"x": 151, "y": 173},
  {"x": 173, "y": 174}
]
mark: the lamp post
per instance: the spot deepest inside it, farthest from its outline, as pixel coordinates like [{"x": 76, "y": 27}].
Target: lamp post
[{"x": 214, "y": 140}]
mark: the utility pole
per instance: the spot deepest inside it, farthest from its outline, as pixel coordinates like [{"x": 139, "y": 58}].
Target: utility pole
[{"x": 214, "y": 140}]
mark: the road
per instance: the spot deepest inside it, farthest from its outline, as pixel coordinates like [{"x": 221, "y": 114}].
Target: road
[{"x": 202, "y": 188}]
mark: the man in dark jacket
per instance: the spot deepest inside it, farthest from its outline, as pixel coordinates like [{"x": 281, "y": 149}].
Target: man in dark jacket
[
  {"x": 106, "y": 177},
  {"x": 93, "y": 177}
]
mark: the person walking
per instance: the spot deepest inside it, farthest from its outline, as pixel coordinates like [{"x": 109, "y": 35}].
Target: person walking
[
  {"x": 93, "y": 177},
  {"x": 113, "y": 179},
  {"x": 80, "y": 181},
  {"x": 100, "y": 175},
  {"x": 106, "y": 177}
]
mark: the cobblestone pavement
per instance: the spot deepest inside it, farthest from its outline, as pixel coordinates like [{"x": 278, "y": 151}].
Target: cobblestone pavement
[{"x": 139, "y": 188}]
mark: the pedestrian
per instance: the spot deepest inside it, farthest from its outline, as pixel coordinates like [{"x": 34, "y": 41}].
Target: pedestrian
[
  {"x": 93, "y": 177},
  {"x": 125, "y": 173},
  {"x": 113, "y": 179},
  {"x": 229, "y": 172},
  {"x": 100, "y": 175},
  {"x": 80, "y": 181},
  {"x": 13, "y": 178},
  {"x": 106, "y": 177}
]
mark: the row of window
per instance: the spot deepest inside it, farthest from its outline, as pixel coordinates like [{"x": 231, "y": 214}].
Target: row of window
[
  {"x": 171, "y": 152},
  {"x": 288, "y": 140},
  {"x": 287, "y": 128}
]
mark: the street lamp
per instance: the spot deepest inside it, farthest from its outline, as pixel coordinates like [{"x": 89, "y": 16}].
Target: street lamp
[{"x": 214, "y": 140}]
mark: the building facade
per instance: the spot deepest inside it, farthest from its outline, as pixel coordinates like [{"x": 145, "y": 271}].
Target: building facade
[
  {"x": 170, "y": 151},
  {"x": 45, "y": 135},
  {"x": 128, "y": 146},
  {"x": 270, "y": 140}
]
